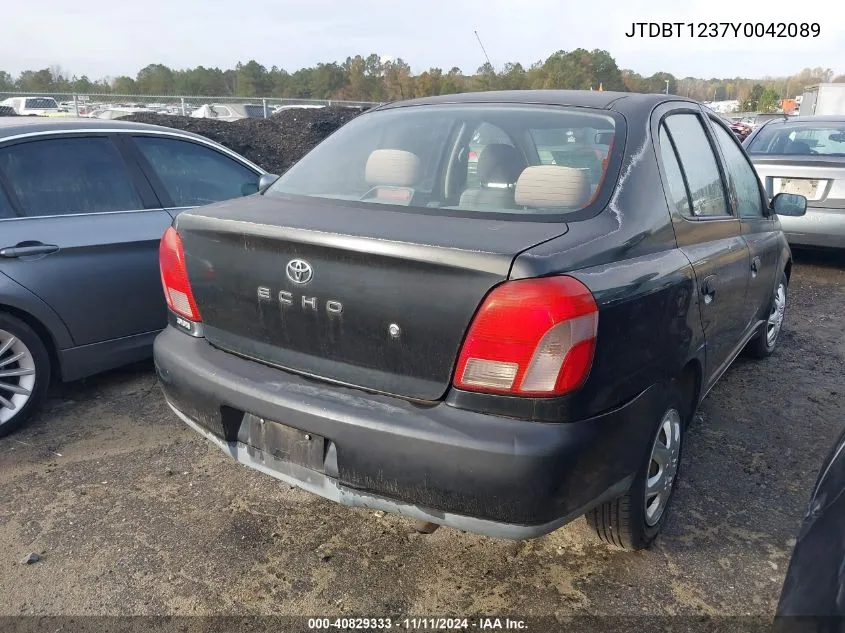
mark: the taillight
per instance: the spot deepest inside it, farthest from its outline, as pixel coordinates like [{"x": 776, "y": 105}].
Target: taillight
[
  {"x": 174, "y": 277},
  {"x": 531, "y": 337}
]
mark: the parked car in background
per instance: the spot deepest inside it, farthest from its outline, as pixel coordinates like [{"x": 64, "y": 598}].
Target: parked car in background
[
  {"x": 741, "y": 129},
  {"x": 230, "y": 111},
  {"x": 499, "y": 351},
  {"x": 805, "y": 155},
  {"x": 764, "y": 117},
  {"x": 32, "y": 106},
  {"x": 297, "y": 106},
  {"x": 83, "y": 206},
  {"x": 119, "y": 112}
]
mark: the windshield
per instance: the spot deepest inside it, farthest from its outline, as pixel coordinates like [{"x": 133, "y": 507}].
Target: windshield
[
  {"x": 802, "y": 138},
  {"x": 41, "y": 103},
  {"x": 479, "y": 157}
]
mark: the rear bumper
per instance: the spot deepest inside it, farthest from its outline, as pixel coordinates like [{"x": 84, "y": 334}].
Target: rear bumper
[
  {"x": 480, "y": 473},
  {"x": 818, "y": 227}
]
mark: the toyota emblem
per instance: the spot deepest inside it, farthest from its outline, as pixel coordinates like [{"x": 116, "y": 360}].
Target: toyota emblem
[{"x": 299, "y": 271}]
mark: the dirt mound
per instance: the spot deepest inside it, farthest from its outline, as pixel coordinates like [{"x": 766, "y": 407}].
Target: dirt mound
[{"x": 274, "y": 143}]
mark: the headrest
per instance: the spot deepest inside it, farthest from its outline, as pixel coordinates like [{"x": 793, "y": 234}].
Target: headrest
[
  {"x": 798, "y": 147},
  {"x": 392, "y": 167},
  {"x": 553, "y": 186},
  {"x": 500, "y": 163},
  {"x": 603, "y": 138}
]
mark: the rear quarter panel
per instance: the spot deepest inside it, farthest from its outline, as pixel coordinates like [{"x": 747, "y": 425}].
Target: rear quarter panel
[
  {"x": 19, "y": 299},
  {"x": 645, "y": 288}
]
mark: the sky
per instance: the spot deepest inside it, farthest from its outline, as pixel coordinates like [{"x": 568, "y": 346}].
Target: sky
[{"x": 119, "y": 38}]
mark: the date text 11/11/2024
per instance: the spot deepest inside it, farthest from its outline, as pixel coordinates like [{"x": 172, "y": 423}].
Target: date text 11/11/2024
[
  {"x": 417, "y": 624},
  {"x": 724, "y": 29}
]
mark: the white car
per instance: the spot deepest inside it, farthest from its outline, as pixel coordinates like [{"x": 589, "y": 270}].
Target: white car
[
  {"x": 296, "y": 106},
  {"x": 229, "y": 111},
  {"x": 118, "y": 112},
  {"x": 39, "y": 106}
]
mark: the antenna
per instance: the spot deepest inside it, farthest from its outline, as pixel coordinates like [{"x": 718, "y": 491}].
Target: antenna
[{"x": 483, "y": 50}]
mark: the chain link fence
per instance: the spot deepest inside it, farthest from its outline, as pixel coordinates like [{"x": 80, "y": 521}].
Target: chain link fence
[{"x": 115, "y": 105}]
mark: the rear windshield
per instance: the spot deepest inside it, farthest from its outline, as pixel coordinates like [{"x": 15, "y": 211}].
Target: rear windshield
[
  {"x": 41, "y": 103},
  {"x": 510, "y": 159},
  {"x": 800, "y": 138}
]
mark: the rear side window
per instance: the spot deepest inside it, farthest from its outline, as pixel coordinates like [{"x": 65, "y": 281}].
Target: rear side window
[
  {"x": 699, "y": 165},
  {"x": 69, "y": 176},
  {"x": 507, "y": 159},
  {"x": 195, "y": 175},
  {"x": 677, "y": 188},
  {"x": 749, "y": 200}
]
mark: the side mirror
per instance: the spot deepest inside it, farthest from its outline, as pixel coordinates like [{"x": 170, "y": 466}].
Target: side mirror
[
  {"x": 265, "y": 181},
  {"x": 790, "y": 204}
]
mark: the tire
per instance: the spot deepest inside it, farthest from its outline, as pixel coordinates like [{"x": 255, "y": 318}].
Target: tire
[
  {"x": 24, "y": 373},
  {"x": 764, "y": 343},
  {"x": 633, "y": 521}
]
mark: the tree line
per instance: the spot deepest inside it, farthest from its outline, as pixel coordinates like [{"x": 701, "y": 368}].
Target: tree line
[{"x": 372, "y": 78}]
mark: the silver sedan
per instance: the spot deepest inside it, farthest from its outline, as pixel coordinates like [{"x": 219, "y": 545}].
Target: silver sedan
[{"x": 806, "y": 156}]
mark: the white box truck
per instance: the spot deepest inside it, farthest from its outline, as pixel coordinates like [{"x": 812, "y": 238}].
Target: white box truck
[{"x": 823, "y": 99}]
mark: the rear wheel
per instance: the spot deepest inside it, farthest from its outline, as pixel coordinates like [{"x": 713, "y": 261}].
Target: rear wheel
[
  {"x": 24, "y": 373},
  {"x": 635, "y": 519},
  {"x": 764, "y": 343}
]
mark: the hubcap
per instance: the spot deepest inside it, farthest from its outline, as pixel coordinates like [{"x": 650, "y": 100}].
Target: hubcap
[
  {"x": 17, "y": 375},
  {"x": 663, "y": 466},
  {"x": 775, "y": 321}
]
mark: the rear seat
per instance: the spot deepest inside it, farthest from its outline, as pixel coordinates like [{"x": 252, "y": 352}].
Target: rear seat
[{"x": 499, "y": 167}]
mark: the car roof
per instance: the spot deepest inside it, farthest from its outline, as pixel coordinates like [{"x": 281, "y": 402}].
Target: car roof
[
  {"x": 584, "y": 98},
  {"x": 15, "y": 125},
  {"x": 822, "y": 118}
]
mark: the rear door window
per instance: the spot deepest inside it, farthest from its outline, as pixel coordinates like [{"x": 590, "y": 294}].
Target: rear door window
[
  {"x": 699, "y": 166},
  {"x": 6, "y": 210},
  {"x": 677, "y": 188},
  {"x": 195, "y": 175},
  {"x": 63, "y": 176}
]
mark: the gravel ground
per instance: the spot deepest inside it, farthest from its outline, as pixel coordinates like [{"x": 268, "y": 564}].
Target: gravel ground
[{"x": 132, "y": 513}]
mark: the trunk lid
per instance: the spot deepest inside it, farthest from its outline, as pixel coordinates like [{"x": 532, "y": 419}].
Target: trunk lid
[
  {"x": 375, "y": 298},
  {"x": 820, "y": 178}
]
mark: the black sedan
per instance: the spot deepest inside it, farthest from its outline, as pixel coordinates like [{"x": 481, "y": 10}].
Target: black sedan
[{"x": 499, "y": 349}]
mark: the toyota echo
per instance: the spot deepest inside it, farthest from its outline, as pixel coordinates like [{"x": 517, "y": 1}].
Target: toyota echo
[{"x": 492, "y": 311}]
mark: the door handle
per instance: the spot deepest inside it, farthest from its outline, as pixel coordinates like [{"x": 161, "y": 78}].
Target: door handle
[
  {"x": 708, "y": 288},
  {"x": 26, "y": 250},
  {"x": 755, "y": 265}
]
